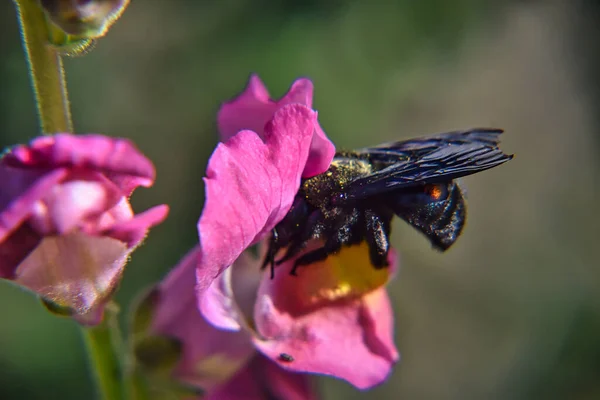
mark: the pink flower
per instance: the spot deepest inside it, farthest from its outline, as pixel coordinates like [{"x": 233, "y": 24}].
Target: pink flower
[
  {"x": 335, "y": 318},
  {"x": 225, "y": 365},
  {"x": 66, "y": 225}
]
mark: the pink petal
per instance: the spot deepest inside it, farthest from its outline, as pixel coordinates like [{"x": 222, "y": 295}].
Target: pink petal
[
  {"x": 320, "y": 155},
  {"x": 118, "y": 159},
  {"x": 262, "y": 379},
  {"x": 218, "y": 304},
  {"x": 68, "y": 205},
  {"x": 250, "y": 186},
  {"x": 329, "y": 330},
  {"x": 301, "y": 92},
  {"x": 19, "y": 191},
  {"x": 15, "y": 248},
  {"x": 333, "y": 340},
  {"x": 253, "y": 108},
  {"x": 228, "y": 303},
  {"x": 76, "y": 271},
  {"x": 210, "y": 356},
  {"x": 133, "y": 231}
]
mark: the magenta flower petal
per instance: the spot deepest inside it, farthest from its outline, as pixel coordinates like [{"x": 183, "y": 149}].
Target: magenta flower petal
[
  {"x": 15, "y": 248},
  {"x": 26, "y": 186},
  {"x": 223, "y": 302},
  {"x": 133, "y": 231},
  {"x": 117, "y": 159},
  {"x": 209, "y": 356},
  {"x": 320, "y": 155},
  {"x": 218, "y": 304},
  {"x": 76, "y": 271},
  {"x": 333, "y": 340},
  {"x": 66, "y": 225},
  {"x": 329, "y": 327},
  {"x": 253, "y": 108},
  {"x": 75, "y": 202},
  {"x": 250, "y": 186},
  {"x": 262, "y": 379}
]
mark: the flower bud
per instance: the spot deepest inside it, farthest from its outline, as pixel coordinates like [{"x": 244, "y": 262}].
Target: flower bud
[
  {"x": 89, "y": 18},
  {"x": 75, "y": 25}
]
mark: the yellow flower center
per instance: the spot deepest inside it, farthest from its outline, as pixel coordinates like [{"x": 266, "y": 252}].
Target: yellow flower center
[{"x": 346, "y": 275}]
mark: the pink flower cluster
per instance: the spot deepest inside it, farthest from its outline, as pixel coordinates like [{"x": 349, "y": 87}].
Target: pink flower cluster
[{"x": 67, "y": 230}]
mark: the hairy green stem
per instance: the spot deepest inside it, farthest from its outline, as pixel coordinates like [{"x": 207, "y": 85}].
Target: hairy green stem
[
  {"x": 104, "y": 348},
  {"x": 137, "y": 387},
  {"x": 45, "y": 68}
]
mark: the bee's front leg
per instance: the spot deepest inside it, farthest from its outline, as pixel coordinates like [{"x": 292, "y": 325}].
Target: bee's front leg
[{"x": 332, "y": 246}]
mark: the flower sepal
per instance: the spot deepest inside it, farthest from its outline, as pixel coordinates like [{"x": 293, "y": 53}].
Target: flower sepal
[
  {"x": 68, "y": 45},
  {"x": 155, "y": 356},
  {"x": 74, "y": 26}
]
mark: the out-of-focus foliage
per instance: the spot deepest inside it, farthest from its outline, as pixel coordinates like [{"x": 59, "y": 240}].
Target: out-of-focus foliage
[{"x": 512, "y": 311}]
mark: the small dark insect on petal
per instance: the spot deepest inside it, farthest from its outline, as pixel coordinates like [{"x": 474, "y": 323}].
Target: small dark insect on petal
[{"x": 284, "y": 357}]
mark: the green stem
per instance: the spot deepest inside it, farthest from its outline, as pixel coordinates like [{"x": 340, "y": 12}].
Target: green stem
[
  {"x": 104, "y": 348},
  {"x": 137, "y": 387},
  {"x": 45, "y": 68}
]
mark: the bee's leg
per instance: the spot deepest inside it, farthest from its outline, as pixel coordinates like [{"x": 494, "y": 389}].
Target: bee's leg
[
  {"x": 342, "y": 232},
  {"x": 307, "y": 233},
  {"x": 271, "y": 251},
  {"x": 311, "y": 257},
  {"x": 285, "y": 232},
  {"x": 333, "y": 245},
  {"x": 377, "y": 236}
]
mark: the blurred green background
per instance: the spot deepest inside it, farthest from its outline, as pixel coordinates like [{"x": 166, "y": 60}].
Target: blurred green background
[{"x": 512, "y": 311}]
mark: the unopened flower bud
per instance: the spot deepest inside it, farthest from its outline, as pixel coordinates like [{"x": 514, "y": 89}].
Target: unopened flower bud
[{"x": 88, "y": 18}]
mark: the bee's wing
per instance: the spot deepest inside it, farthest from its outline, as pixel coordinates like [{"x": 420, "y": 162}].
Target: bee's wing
[{"x": 428, "y": 160}]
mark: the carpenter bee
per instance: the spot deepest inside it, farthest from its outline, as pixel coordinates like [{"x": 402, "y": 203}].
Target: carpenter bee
[{"x": 357, "y": 197}]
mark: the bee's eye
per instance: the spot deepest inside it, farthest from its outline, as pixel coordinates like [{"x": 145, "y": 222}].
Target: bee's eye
[
  {"x": 426, "y": 194},
  {"x": 436, "y": 192}
]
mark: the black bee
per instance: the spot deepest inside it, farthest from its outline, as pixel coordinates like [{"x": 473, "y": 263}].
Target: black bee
[{"x": 357, "y": 197}]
